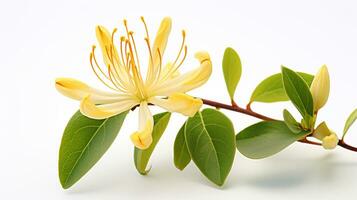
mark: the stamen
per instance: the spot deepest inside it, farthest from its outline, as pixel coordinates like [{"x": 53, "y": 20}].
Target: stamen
[
  {"x": 114, "y": 31},
  {"x": 114, "y": 79},
  {"x": 184, "y": 57},
  {"x": 116, "y": 75},
  {"x": 136, "y": 52},
  {"x": 182, "y": 46},
  {"x": 149, "y": 48},
  {"x": 146, "y": 28},
  {"x": 110, "y": 77},
  {"x": 95, "y": 72},
  {"x": 96, "y": 63},
  {"x": 160, "y": 63},
  {"x": 122, "y": 39}
]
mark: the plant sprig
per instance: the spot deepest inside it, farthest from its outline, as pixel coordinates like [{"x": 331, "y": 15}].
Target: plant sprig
[{"x": 207, "y": 137}]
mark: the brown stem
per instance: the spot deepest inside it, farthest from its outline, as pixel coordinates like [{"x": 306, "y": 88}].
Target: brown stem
[
  {"x": 306, "y": 141},
  {"x": 236, "y": 108},
  {"x": 342, "y": 143},
  {"x": 248, "y": 111}
]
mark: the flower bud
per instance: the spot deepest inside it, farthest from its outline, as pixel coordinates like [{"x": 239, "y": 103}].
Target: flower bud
[
  {"x": 329, "y": 138},
  {"x": 330, "y": 142},
  {"x": 320, "y": 88}
]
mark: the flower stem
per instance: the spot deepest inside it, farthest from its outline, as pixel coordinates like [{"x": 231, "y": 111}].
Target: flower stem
[
  {"x": 236, "y": 108},
  {"x": 248, "y": 111}
]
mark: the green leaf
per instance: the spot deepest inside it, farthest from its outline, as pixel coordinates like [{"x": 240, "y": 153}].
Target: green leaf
[
  {"x": 272, "y": 89},
  {"x": 290, "y": 122},
  {"x": 83, "y": 143},
  {"x": 210, "y": 142},
  {"x": 350, "y": 120},
  {"x": 265, "y": 139},
  {"x": 141, "y": 157},
  {"x": 232, "y": 70},
  {"x": 298, "y": 92},
  {"x": 181, "y": 155}
]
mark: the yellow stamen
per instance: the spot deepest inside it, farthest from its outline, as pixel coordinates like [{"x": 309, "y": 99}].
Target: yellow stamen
[
  {"x": 160, "y": 63},
  {"x": 146, "y": 28},
  {"x": 135, "y": 51},
  {"x": 149, "y": 48},
  {"x": 182, "y": 46},
  {"x": 96, "y": 63},
  {"x": 95, "y": 72},
  {"x": 122, "y": 39}
]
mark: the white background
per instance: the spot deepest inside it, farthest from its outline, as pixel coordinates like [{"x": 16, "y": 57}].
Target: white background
[{"x": 42, "y": 40}]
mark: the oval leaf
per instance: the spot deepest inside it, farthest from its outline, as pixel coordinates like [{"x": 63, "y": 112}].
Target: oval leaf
[
  {"x": 272, "y": 89},
  {"x": 265, "y": 139},
  {"x": 211, "y": 144},
  {"x": 232, "y": 70},
  {"x": 141, "y": 157},
  {"x": 181, "y": 155},
  {"x": 298, "y": 92},
  {"x": 83, "y": 143},
  {"x": 290, "y": 122},
  {"x": 350, "y": 120}
]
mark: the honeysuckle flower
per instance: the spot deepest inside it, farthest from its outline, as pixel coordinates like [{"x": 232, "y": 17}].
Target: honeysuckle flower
[
  {"x": 320, "y": 88},
  {"x": 329, "y": 138},
  {"x": 162, "y": 86}
]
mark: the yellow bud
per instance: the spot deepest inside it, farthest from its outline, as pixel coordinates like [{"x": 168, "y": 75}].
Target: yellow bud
[
  {"x": 320, "y": 88},
  {"x": 329, "y": 138},
  {"x": 330, "y": 142}
]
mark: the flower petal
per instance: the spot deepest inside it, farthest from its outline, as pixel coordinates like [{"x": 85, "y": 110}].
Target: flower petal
[
  {"x": 77, "y": 90},
  {"x": 105, "y": 41},
  {"x": 179, "y": 102},
  {"x": 72, "y": 88},
  {"x": 161, "y": 39},
  {"x": 189, "y": 80},
  {"x": 89, "y": 109},
  {"x": 142, "y": 138},
  {"x": 160, "y": 43},
  {"x": 117, "y": 73}
]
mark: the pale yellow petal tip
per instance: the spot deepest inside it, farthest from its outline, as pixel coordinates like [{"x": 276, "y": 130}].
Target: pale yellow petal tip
[
  {"x": 185, "y": 104},
  {"x": 89, "y": 109},
  {"x": 141, "y": 141},
  {"x": 100, "y": 29},
  {"x": 202, "y": 56},
  {"x": 71, "y": 88},
  {"x": 167, "y": 21},
  {"x": 330, "y": 142}
]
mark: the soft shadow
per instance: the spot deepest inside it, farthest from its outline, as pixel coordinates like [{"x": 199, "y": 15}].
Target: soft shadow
[{"x": 289, "y": 172}]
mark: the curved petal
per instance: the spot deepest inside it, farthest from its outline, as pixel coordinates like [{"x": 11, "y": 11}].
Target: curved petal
[
  {"x": 168, "y": 72},
  {"x": 105, "y": 42},
  {"x": 111, "y": 59},
  {"x": 160, "y": 43},
  {"x": 77, "y": 90},
  {"x": 179, "y": 102},
  {"x": 89, "y": 109},
  {"x": 142, "y": 138},
  {"x": 72, "y": 88},
  {"x": 189, "y": 80}
]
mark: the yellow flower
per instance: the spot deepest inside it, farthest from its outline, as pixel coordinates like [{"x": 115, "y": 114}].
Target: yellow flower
[
  {"x": 329, "y": 138},
  {"x": 320, "y": 88},
  {"x": 162, "y": 85}
]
